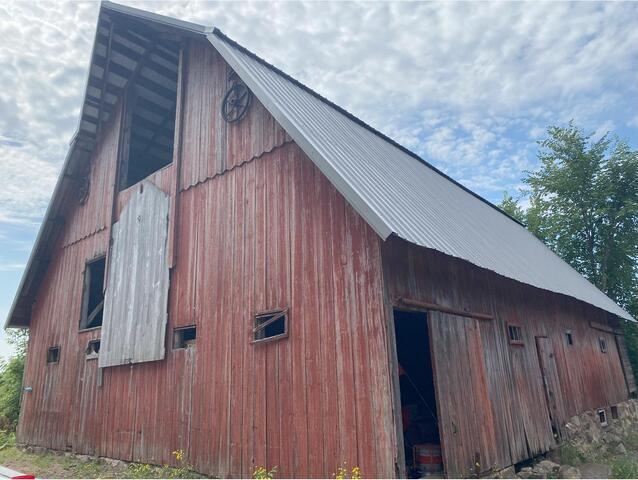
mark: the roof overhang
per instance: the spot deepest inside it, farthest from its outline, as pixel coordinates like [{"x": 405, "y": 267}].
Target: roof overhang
[{"x": 122, "y": 38}]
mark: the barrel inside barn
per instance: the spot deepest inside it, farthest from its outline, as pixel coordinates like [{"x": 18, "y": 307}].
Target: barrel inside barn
[{"x": 427, "y": 458}]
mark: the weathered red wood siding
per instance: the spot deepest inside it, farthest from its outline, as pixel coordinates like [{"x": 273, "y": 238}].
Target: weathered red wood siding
[
  {"x": 270, "y": 232},
  {"x": 519, "y": 417}
]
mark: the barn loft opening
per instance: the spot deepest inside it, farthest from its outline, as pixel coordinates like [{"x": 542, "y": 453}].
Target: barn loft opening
[
  {"x": 149, "y": 127},
  {"x": 93, "y": 294},
  {"x": 418, "y": 401}
]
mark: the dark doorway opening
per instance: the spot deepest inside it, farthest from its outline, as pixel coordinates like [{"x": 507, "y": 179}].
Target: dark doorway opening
[{"x": 418, "y": 399}]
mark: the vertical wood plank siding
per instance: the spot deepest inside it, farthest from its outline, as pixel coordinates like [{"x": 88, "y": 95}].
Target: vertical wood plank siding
[
  {"x": 519, "y": 417},
  {"x": 259, "y": 228},
  {"x": 210, "y": 145}
]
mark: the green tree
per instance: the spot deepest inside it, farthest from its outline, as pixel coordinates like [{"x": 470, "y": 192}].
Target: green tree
[
  {"x": 11, "y": 372},
  {"x": 583, "y": 203},
  {"x": 511, "y": 206}
]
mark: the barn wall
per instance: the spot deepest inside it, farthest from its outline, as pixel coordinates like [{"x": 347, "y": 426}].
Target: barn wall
[
  {"x": 519, "y": 418},
  {"x": 263, "y": 230}
]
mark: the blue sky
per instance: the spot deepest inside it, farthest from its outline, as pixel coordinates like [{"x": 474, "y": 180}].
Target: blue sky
[{"x": 470, "y": 87}]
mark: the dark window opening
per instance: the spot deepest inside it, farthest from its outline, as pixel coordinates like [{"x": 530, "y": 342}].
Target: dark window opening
[
  {"x": 602, "y": 343},
  {"x": 569, "y": 337},
  {"x": 184, "y": 337},
  {"x": 614, "y": 412},
  {"x": 53, "y": 355},
  {"x": 92, "y": 349},
  {"x": 418, "y": 401},
  {"x": 515, "y": 334},
  {"x": 150, "y": 116},
  {"x": 270, "y": 326},
  {"x": 93, "y": 294},
  {"x": 602, "y": 417}
]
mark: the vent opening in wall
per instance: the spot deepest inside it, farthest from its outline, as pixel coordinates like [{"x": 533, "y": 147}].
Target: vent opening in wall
[
  {"x": 569, "y": 338},
  {"x": 270, "y": 326},
  {"x": 602, "y": 343},
  {"x": 184, "y": 337},
  {"x": 53, "y": 355},
  {"x": 92, "y": 349}
]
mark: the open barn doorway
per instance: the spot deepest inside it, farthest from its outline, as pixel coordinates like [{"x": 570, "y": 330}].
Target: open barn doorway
[{"x": 418, "y": 401}]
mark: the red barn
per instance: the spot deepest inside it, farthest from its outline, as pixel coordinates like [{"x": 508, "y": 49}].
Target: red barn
[{"x": 233, "y": 266}]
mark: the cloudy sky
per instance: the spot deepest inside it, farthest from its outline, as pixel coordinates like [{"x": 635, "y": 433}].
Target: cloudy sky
[{"x": 469, "y": 86}]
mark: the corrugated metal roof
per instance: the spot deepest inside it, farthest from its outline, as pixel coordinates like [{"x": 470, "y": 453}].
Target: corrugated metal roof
[{"x": 399, "y": 193}]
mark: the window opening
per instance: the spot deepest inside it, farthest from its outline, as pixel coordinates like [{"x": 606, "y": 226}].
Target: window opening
[
  {"x": 602, "y": 343},
  {"x": 602, "y": 417},
  {"x": 270, "y": 326},
  {"x": 184, "y": 337},
  {"x": 515, "y": 333},
  {"x": 93, "y": 294},
  {"x": 569, "y": 337},
  {"x": 53, "y": 355},
  {"x": 614, "y": 412},
  {"x": 92, "y": 349}
]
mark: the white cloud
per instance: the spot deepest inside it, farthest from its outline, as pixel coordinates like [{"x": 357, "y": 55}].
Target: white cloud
[
  {"x": 11, "y": 267},
  {"x": 470, "y": 86}
]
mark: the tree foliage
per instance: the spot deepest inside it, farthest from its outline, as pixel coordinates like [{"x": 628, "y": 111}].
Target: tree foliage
[
  {"x": 11, "y": 372},
  {"x": 583, "y": 203}
]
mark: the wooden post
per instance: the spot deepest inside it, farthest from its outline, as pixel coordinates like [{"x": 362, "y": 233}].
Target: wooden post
[{"x": 177, "y": 161}]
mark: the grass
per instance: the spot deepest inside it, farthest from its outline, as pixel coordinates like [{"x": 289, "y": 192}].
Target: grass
[
  {"x": 623, "y": 466},
  {"x": 51, "y": 465}
]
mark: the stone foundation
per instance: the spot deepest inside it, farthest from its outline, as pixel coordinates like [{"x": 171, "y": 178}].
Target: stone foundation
[
  {"x": 590, "y": 438},
  {"x": 586, "y": 429}
]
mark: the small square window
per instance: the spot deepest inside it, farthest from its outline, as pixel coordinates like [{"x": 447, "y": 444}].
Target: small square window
[
  {"x": 569, "y": 337},
  {"x": 515, "y": 333},
  {"x": 270, "y": 326},
  {"x": 602, "y": 417},
  {"x": 92, "y": 349},
  {"x": 184, "y": 337},
  {"x": 53, "y": 355},
  {"x": 602, "y": 343}
]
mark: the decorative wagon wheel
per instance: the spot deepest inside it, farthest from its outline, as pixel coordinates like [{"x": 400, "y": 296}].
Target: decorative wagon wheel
[
  {"x": 83, "y": 184},
  {"x": 236, "y": 103}
]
